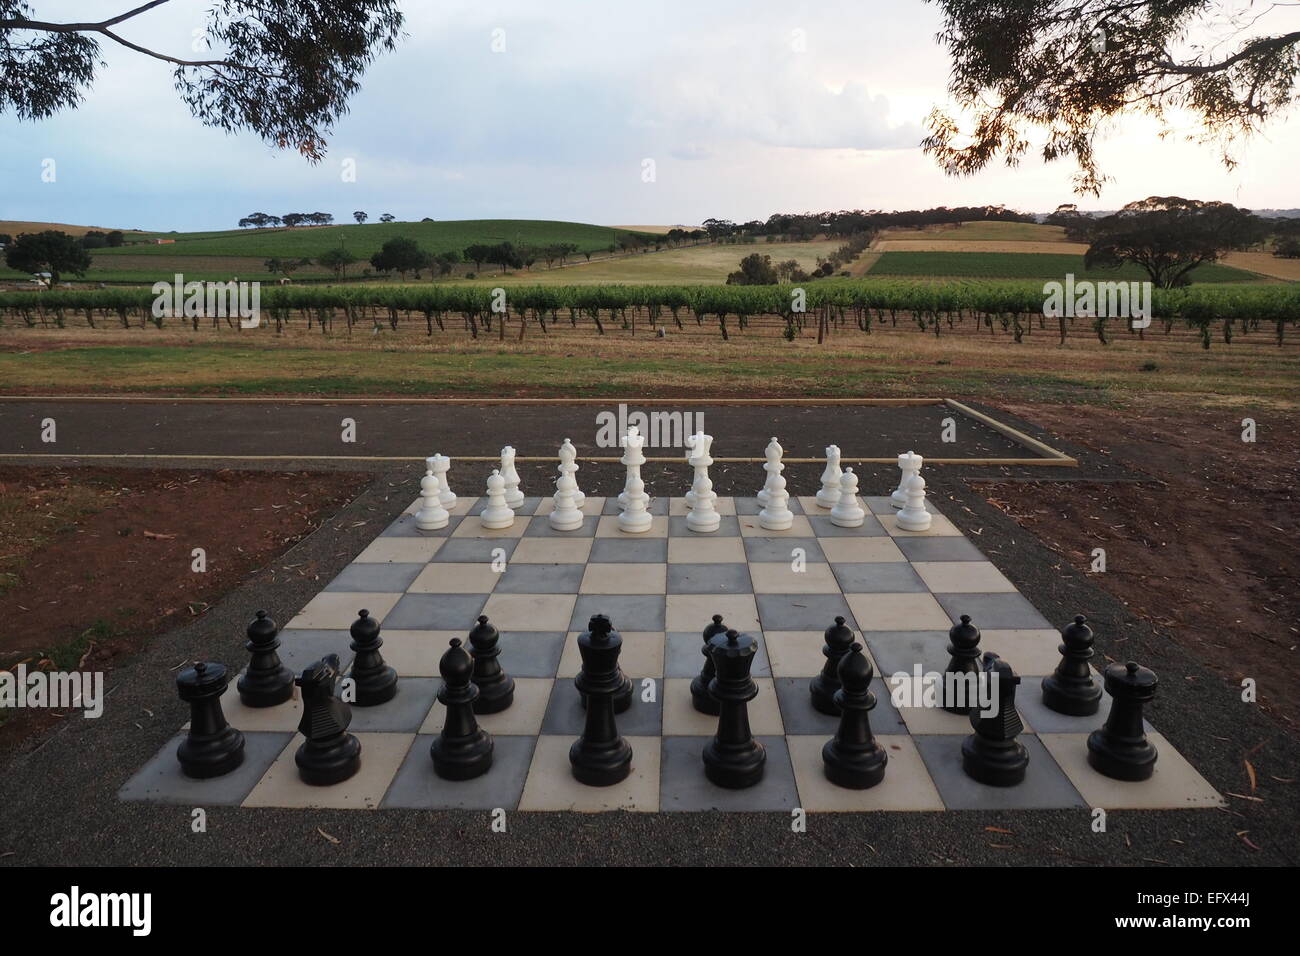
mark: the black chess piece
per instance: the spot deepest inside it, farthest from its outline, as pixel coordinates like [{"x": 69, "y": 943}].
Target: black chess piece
[
  {"x": 733, "y": 758},
  {"x": 375, "y": 681},
  {"x": 329, "y": 754},
  {"x": 600, "y": 757},
  {"x": 212, "y": 747},
  {"x": 1070, "y": 689},
  {"x": 964, "y": 651},
  {"x": 824, "y": 686},
  {"x": 1120, "y": 749},
  {"x": 700, "y": 696},
  {"x": 496, "y": 688},
  {"x": 852, "y": 758},
  {"x": 267, "y": 682},
  {"x": 623, "y": 696},
  {"x": 463, "y": 750},
  {"x": 992, "y": 754}
]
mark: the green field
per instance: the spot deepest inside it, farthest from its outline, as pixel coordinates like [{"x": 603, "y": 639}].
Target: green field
[{"x": 1014, "y": 265}]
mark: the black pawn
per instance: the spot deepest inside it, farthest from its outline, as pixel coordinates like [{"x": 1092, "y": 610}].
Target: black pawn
[
  {"x": 267, "y": 681},
  {"x": 623, "y": 696},
  {"x": 496, "y": 688},
  {"x": 376, "y": 682},
  {"x": 1120, "y": 749},
  {"x": 733, "y": 758},
  {"x": 330, "y": 754},
  {"x": 212, "y": 747},
  {"x": 852, "y": 758},
  {"x": 1070, "y": 689},
  {"x": 992, "y": 754},
  {"x": 463, "y": 750},
  {"x": 824, "y": 686},
  {"x": 600, "y": 757},
  {"x": 700, "y": 695},
  {"x": 964, "y": 651}
]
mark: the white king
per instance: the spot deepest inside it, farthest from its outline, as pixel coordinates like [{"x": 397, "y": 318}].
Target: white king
[{"x": 635, "y": 516}]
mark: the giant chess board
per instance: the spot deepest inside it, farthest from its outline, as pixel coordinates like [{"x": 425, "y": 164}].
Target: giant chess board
[{"x": 900, "y": 591}]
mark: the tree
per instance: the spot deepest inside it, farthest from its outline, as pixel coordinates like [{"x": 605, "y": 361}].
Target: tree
[
  {"x": 478, "y": 253},
  {"x": 444, "y": 262},
  {"x": 5, "y": 238},
  {"x": 1067, "y": 67},
  {"x": 387, "y": 217},
  {"x": 1170, "y": 236},
  {"x": 505, "y": 255},
  {"x": 1287, "y": 249},
  {"x": 292, "y": 219},
  {"x": 400, "y": 255},
  {"x": 360, "y": 216},
  {"x": 50, "y": 251},
  {"x": 786, "y": 269},
  {"x": 337, "y": 261},
  {"x": 285, "y": 266},
  {"x": 286, "y": 71},
  {"x": 115, "y": 239},
  {"x": 755, "y": 269},
  {"x": 93, "y": 239}
]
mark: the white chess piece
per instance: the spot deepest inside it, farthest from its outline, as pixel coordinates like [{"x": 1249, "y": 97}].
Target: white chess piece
[
  {"x": 702, "y": 517},
  {"x": 441, "y": 465},
  {"x": 830, "y": 492},
  {"x": 634, "y": 518},
  {"x": 848, "y": 513},
  {"x": 432, "y": 515},
  {"x": 690, "y": 457},
  {"x": 569, "y": 456},
  {"x": 914, "y": 517},
  {"x": 909, "y": 464},
  {"x": 565, "y": 516},
  {"x": 776, "y": 514},
  {"x": 514, "y": 497},
  {"x": 497, "y": 515},
  {"x": 774, "y": 451}
]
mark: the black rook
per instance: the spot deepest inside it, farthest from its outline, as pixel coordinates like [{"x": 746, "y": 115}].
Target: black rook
[
  {"x": 1120, "y": 749},
  {"x": 733, "y": 758},
  {"x": 600, "y": 757},
  {"x": 212, "y": 747},
  {"x": 267, "y": 681}
]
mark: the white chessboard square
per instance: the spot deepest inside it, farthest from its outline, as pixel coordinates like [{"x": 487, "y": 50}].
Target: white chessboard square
[
  {"x": 907, "y": 785},
  {"x": 381, "y": 755},
  {"x": 552, "y": 786},
  {"x": 400, "y": 550},
  {"x": 338, "y": 609},
  {"x": 1174, "y": 785},
  {"x": 799, "y": 528},
  {"x": 940, "y": 527},
  {"x": 962, "y": 577}
]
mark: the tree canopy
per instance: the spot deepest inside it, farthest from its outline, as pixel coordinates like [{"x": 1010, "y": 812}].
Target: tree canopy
[{"x": 49, "y": 251}]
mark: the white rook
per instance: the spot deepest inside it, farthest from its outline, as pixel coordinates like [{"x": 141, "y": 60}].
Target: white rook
[
  {"x": 441, "y": 465},
  {"x": 909, "y": 464}
]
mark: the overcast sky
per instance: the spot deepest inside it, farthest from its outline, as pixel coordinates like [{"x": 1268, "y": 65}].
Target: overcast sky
[{"x": 745, "y": 109}]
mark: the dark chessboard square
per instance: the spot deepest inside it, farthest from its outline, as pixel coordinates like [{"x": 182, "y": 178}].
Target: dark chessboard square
[
  {"x": 683, "y": 654},
  {"x": 540, "y": 579},
  {"x": 880, "y": 505},
  {"x": 709, "y": 579},
  {"x": 780, "y": 549},
  {"x": 881, "y": 577},
  {"x": 1000, "y": 611},
  {"x": 896, "y": 651},
  {"x": 801, "y": 612},
  {"x": 728, "y": 527},
  {"x": 1045, "y": 785},
  {"x": 300, "y": 647},
  {"x": 436, "y": 612},
  {"x": 531, "y": 653},
  {"x": 404, "y": 527},
  {"x": 627, "y": 612},
  {"x": 475, "y": 550},
  {"x": 540, "y": 527},
  {"x": 529, "y": 507},
  {"x": 390, "y": 577},
  {"x": 161, "y": 781},
  {"x": 417, "y": 787},
  {"x": 657, "y": 506},
  {"x": 823, "y": 528},
  {"x": 683, "y": 785},
  {"x": 750, "y": 506},
  {"x": 404, "y": 713},
  {"x": 565, "y": 715},
  {"x": 938, "y": 548},
  {"x": 624, "y": 551},
  {"x": 800, "y": 717}
]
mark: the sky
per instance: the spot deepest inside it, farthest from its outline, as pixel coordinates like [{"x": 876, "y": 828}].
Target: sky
[{"x": 560, "y": 110}]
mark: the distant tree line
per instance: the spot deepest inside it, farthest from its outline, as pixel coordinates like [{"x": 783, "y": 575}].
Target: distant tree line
[
  {"x": 260, "y": 220},
  {"x": 845, "y": 223}
]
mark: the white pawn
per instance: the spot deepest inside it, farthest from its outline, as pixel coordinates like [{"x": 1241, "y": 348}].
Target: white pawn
[
  {"x": 909, "y": 464},
  {"x": 635, "y": 517},
  {"x": 830, "y": 492},
  {"x": 565, "y": 516},
  {"x": 776, "y": 514},
  {"x": 497, "y": 515},
  {"x": 432, "y": 515},
  {"x": 914, "y": 517},
  {"x": 690, "y": 459},
  {"x": 773, "y": 452},
  {"x": 569, "y": 456},
  {"x": 702, "y": 517},
  {"x": 514, "y": 497},
  {"x": 848, "y": 513},
  {"x": 441, "y": 465}
]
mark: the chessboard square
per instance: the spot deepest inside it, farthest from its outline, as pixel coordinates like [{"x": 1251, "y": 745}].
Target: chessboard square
[
  {"x": 935, "y": 721},
  {"x": 566, "y": 716},
  {"x": 381, "y": 756},
  {"x": 750, "y": 506},
  {"x": 282, "y": 718},
  {"x": 907, "y": 785},
  {"x": 692, "y": 612},
  {"x": 802, "y": 612},
  {"x": 898, "y": 652},
  {"x": 800, "y": 717},
  {"x": 436, "y": 612},
  {"x": 883, "y": 505},
  {"x": 624, "y": 578},
  {"x": 657, "y": 506},
  {"x": 452, "y": 578},
  {"x": 823, "y": 527},
  {"x": 540, "y": 579},
  {"x": 161, "y": 780},
  {"x": 415, "y": 653},
  {"x": 522, "y": 718},
  {"x": 878, "y": 577},
  {"x": 1003, "y": 611},
  {"x": 403, "y": 714},
  {"x": 899, "y": 612},
  {"x": 1045, "y": 786},
  {"x": 541, "y": 528},
  {"x": 703, "y": 548},
  {"x": 921, "y": 548},
  {"x": 404, "y": 527},
  {"x": 417, "y": 787},
  {"x": 632, "y": 612},
  {"x": 629, "y": 549},
  {"x": 642, "y": 655},
  {"x": 475, "y": 550},
  {"x": 814, "y": 578},
  {"x": 536, "y": 550},
  {"x": 465, "y": 505},
  {"x": 591, "y": 506},
  {"x": 472, "y": 527},
  {"x": 940, "y": 527},
  {"x": 683, "y": 655},
  {"x": 683, "y": 785},
  {"x": 386, "y": 577},
  {"x": 1174, "y": 785},
  {"x": 710, "y": 578},
  {"x": 681, "y": 719},
  {"x": 724, "y": 505},
  {"x": 808, "y": 505},
  {"x": 1044, "y": 720},
  {"x": 526, "y": 509},
  {"x": 1032, "y": 652},
  {"x": 608, "y": 528},
  {"x": 551, "y": 784},
  {"x": 962, "y": 577},
  {"x": 298, "y": 648},
  {"x": 861, "y": 550},
  {"x": 336, "y": 610},
  {"x": 419, "y": 550},
  {"x": 530, "y": 612},
  {"x": 799, "y": 653},
  {"x": 728, "y": 527},
  {"x": 759, "y": 550},
  {"x": 801, "y": 527},
  {"x": 530, "y": 653}
]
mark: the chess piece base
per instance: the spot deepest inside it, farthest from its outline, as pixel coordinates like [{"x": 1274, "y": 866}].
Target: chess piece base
[
  {"x": 424, "y": 523},
  {"x": 323, "y": 763},
  {"x": 638, "y": 525},
  {"x": 377, "y": 688},
  {"x": 853, "y": 519},
  {"x": 996, "y": 766},
  {"x": 462, "y": 759},
  {"x": 898, "y": 500},
  {"x": 267, "y": 689},
  {"x": 826, "y": 501},
  {"x": 735, "y": 768},
  {"x": 496, "y": 697},
  {"x": 702, "y": 700},
  {"x": 823, "y": 695},
  {"x": 496, "y": 522},
  {"x": 910, "y": 522},
  {"x": 570, "y": 522},
  {"x": 854, "y": 771},
  {"x": 601, "y": 766},
  {"x": 213, "y": 756},
  {"x": 1121, "y": 759},
  {"x": 777, "y": 522},
  {"x": 1073, "y": 700},
  {"x": 696, "y": 522}
]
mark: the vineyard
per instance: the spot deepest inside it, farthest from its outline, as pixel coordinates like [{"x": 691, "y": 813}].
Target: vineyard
[{"x": 821, "y": 308}]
